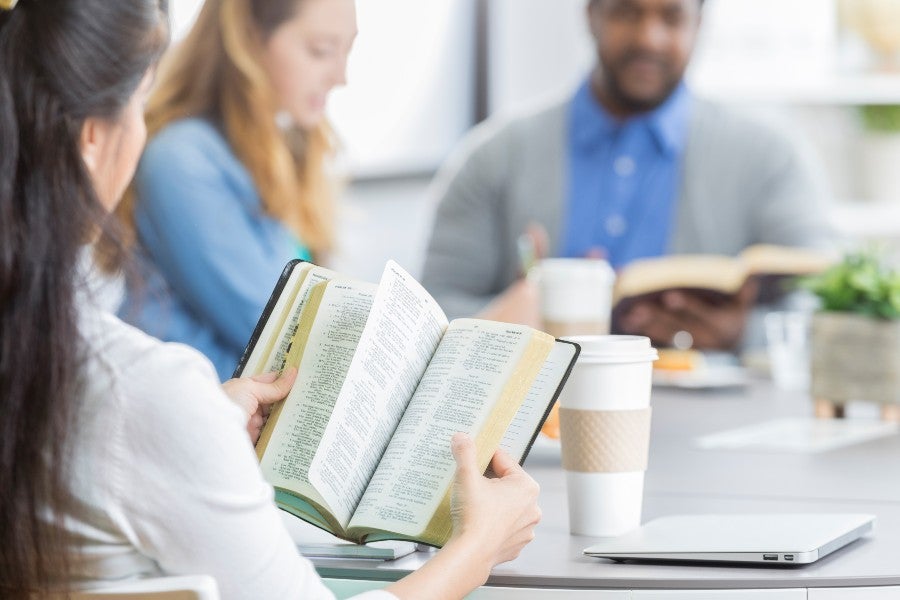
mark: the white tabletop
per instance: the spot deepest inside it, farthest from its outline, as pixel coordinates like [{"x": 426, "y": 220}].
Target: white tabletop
[{"x": 682, "y": 478}]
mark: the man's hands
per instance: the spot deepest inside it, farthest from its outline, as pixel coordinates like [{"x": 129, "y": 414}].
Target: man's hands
[
  {"x": 713, "y": 326},
  {"x": 256, "y": 394}
]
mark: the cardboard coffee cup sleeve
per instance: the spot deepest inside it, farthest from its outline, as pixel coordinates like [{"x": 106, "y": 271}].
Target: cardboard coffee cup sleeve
[{"x": 605, "y": 441}]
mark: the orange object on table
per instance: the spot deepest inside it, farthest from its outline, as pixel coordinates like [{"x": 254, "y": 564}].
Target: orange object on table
[
  {"x": 672, "y": 359},
  {"x": 551, "y": 425}
]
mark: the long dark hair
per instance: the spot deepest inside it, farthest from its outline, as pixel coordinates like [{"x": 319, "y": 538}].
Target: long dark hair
[{"x": 61, "y": 61}]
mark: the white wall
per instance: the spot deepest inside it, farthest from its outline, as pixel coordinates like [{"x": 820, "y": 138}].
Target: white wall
[
  {"x": 537, "y": 48},
  {"x": 411, "y": 82}
]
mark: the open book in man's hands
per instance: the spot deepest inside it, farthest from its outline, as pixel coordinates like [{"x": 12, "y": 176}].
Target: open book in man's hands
[
  {"x": 361, "y": 445},
  {"x": 716, "y": 277}
]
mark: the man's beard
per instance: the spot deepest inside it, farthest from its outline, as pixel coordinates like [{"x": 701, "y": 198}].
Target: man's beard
[{"x": 631, "y": 103}]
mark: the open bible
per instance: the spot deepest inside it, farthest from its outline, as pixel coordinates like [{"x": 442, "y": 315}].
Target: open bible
[
  {"x": 361, "y": 445},
  {"x": 714, "y": 277}
]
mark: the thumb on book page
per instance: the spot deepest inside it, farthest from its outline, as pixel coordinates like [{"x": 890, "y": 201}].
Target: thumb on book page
[
  {"x": 502, "y": 464},
  {"x": 277, "y": 386},
  {"x": 464, "y": 452}
]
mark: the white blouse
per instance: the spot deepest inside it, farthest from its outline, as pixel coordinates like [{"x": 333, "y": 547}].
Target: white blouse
[{"x": 164, "y": 479}]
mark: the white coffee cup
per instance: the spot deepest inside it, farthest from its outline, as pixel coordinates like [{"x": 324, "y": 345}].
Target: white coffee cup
[
  {"x": 576, "y": 295},
  {"x": 605, "y": 429}
]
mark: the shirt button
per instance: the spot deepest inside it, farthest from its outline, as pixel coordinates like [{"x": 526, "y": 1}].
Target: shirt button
[
  {"x": 615, "y": 225},
  {"x": 624, "y": 166}
]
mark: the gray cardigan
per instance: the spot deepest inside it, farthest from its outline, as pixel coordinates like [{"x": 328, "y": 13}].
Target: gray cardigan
[{"x": 742, "y": 183}]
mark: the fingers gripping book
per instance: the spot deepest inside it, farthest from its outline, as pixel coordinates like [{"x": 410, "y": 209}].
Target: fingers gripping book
[{"x": 361, "y": 445}]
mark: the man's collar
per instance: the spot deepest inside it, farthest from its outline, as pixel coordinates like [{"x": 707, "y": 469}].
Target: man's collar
[
  {"x": 590, "y": 123},
  {"x": 667, "y": 123}
]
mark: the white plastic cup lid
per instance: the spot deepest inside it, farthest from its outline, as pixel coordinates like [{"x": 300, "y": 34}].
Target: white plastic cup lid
[{"x": 609, "y": 349}]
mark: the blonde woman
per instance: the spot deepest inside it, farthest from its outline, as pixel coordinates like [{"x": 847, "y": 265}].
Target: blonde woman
[{"x": 233, "y": 182}]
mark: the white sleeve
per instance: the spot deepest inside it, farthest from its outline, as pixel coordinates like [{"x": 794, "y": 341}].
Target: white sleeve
[{"x": 189, "y": 492}]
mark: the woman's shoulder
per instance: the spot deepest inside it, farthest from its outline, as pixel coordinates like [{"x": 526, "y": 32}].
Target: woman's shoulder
[
  {"x": 187, "y": 143},
  {"x": 146, "y": 374},
  {"x": 191, "y": 130}
]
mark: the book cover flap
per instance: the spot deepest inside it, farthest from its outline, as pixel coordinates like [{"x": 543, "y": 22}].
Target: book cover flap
[{"x": 576, "y": 350}]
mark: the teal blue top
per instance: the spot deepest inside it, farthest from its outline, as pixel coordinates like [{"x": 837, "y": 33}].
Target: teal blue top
[{"x": 209, "y": 255}]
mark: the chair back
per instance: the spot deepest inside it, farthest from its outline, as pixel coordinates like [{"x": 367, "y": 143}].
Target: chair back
[{"x": 186, "y": 587}]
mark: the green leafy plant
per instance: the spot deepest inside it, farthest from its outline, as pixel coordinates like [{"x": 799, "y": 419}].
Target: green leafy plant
[
  {"x": 861, "y": 283},
  {"x": 881, "y": 117}
]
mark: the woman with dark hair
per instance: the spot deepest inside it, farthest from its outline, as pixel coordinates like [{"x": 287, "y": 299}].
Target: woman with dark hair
[{"x": 122, "y": 456}]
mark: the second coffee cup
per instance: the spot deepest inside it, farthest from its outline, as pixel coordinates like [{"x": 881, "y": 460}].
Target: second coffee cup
[{"x": 576, "y": 295}]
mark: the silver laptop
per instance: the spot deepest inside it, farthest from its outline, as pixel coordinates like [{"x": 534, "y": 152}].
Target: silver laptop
[{"x": 760, "y": 538}]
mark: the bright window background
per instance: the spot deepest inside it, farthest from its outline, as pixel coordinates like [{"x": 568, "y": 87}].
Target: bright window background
[
  {"x": 412, "y": 76},
  {"x": 767, "y": 49},
  {"x": 412, "y": 94},
  {"x": 538, "y": 49},
  {"x": 411, "y": 84},
  {"x": 182, "y": 14}
]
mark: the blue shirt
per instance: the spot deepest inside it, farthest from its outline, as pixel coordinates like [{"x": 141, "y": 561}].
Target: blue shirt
[
  {"x": 623, "y": 178},
  {"x": 209, "y": 255}
]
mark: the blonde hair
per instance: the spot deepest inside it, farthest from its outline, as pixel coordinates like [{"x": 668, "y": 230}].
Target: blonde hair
[{"x": 217, "y": 71}]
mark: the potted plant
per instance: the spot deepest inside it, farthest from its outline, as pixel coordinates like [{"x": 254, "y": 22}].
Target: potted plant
[
  {"x": 856, "y": 336},
  {"x": 880, "y": 151}
]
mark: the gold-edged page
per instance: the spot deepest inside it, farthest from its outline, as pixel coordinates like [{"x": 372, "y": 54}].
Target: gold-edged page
[
  {"x": 341, "y": 308},
  {"x": 292, "y": 338},
  {"x": 772, "y": 259},
  {"x": 404, "y": 329},
  {"x": 294, "y": 357},
  {"x": 523, "y": 426},
  {"x": 262, "y": 350},
  {"x": 475, "y": 383},
  {"x": 277, "y": 356},
  {"x": 725, "y": 274}
]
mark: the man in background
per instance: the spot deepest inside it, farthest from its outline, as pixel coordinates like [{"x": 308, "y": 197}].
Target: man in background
[{"x": 631, "y": 166}]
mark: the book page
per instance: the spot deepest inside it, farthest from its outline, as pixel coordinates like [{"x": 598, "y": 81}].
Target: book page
[
  {"x": 404, "y": 329},
  {"x": 277, "y": 355},
  {"x": 329, "y": 349},
  {"x": 273, "y": 329},
  {"x": 722, "y": 274},
  {"x": 472, "y": 366},
  {"x": 525, "y": 424},
  {"x": 270, "y": 351},
  {"x": 770, "y": 259}
]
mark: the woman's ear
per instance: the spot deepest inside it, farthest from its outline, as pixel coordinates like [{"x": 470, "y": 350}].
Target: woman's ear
[{"x": 93, "y": 137}]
